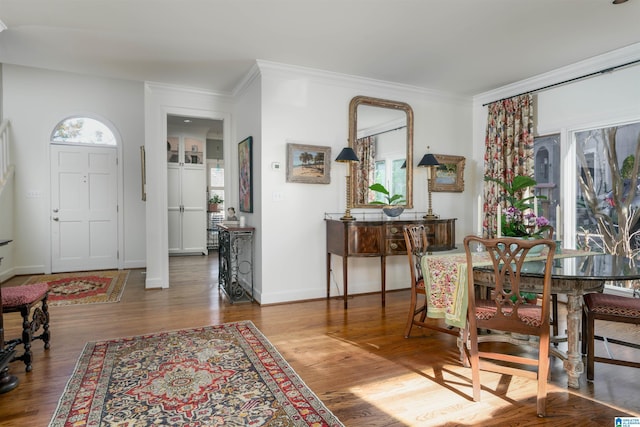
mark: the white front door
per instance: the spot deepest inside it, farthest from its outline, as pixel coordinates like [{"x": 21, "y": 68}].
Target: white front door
[{"x": 84, "y": 225}]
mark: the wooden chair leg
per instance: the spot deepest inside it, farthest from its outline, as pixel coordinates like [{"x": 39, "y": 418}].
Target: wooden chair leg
[
  {"x": 554, "y": 313},
  {"x": 412, "y": 314},
  {"x": 33, "y": 318},
  {"x": 45, "y": 336},
  {"x": 584, "y": 337},
  {"x": 27, "y": 335},
  {"x": 590, "y": 345}
]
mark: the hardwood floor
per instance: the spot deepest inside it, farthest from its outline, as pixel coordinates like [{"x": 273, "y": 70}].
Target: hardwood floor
[{"x": 356, "y": 361}]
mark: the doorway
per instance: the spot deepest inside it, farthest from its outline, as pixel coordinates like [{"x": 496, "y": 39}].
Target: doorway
[
  {"x": 84, "y": 179},
  {"x": 192, "y": 143}
]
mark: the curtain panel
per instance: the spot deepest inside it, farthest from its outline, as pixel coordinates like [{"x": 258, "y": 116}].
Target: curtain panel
[
  {"x": 365, "y": 169},
  {"x": 508, "y": 152}
]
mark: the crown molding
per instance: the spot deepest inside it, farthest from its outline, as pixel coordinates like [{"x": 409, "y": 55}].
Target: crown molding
[
  {"x": 165, "y": 87},
  {"x": 265, "y": 68},
  {"x": 247, "y": 80},
  {"x": 592, "y": 65}
]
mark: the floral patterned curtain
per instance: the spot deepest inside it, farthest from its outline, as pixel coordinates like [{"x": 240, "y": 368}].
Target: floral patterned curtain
[
  {"x": 508, "y": 151},
  {"x": 365, "y": 169}
]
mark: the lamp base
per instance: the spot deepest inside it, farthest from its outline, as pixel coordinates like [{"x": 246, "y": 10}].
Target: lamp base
[
  {"x": 430, "y": 216},
  {"x": 347, "y": 218}
]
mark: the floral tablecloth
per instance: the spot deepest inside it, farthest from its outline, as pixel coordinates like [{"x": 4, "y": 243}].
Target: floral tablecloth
[{"x": 445, "y": 279}]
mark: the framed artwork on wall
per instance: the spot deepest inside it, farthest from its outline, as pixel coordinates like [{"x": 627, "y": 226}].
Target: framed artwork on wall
[
  {"x": 449, "y": 174},
  {"x": 246, "y": 175},
  {"x": 308, "y": 164}
]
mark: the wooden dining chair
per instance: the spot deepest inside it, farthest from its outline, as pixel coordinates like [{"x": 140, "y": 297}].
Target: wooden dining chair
[
  {"x": 415, "y": 238},
  {"x": 553, "y": 320},
  {"x": 612, "y": 308},
  {"x": 507, "y": 311}
]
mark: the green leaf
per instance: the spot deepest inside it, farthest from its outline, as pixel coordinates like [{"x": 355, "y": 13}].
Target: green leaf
[
  {"x": 377, "y": 187},
  {"x": 521, "y": 182},
  {"x": 396, "y": 198}
]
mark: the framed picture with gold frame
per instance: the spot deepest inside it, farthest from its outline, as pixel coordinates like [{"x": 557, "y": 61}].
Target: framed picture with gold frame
[{"x": 449, "y": 175}]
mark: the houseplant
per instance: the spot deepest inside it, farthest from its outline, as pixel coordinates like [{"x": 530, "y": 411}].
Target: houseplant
[
  {"x": 391, "y": 202},
  {"x": 519, "y": 219},
  {"x": 214, "y": 201}
]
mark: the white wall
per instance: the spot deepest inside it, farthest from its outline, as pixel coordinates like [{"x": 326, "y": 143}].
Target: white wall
[
  {"x": 311, "y": 107},
  {"x": 6, "y": 227},
  {"x": 605, "y": 100},
  {"x": 34, "y": 101},
  {"x": 248, "y": 123}
]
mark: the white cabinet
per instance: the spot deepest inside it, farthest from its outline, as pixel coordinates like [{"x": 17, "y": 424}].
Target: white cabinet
[{"x": 187, "y": 194}]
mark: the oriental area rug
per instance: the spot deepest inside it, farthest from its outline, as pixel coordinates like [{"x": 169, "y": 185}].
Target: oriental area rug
[
  {"x": 83, "y": 288},
  {"x": 228, "y": 374}
]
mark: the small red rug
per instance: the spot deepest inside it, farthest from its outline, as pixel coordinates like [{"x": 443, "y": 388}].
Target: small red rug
[
  {"x": 227, "y": 374},
  {"x": 83, "y": 288}
]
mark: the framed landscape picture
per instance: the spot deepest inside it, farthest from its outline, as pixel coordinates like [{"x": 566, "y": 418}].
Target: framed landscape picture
[
  {"x": 246, "y": 178},
  {"x": 449, "y": 174},
  {"x": 308, "y": 164}
]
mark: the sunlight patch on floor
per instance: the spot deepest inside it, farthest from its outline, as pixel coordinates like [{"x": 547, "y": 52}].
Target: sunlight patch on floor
[{"x": 439, "y": 397}]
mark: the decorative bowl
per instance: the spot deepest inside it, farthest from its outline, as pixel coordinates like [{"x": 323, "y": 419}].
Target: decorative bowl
[{"x": 393, "y": 211}]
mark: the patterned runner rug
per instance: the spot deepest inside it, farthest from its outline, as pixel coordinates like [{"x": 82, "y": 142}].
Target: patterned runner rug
[
  {"x": 228, "y": 374},
  {"x": 83, "y": 288}
]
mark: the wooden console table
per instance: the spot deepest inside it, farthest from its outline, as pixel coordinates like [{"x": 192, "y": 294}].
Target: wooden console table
[{"x": 380, "y": 238}]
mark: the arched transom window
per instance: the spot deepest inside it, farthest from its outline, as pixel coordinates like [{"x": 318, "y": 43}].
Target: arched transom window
[{"x": 83, "y": 130}]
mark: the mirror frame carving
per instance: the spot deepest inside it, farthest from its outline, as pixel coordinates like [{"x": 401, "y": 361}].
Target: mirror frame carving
[{"x": 353, "y": 135}]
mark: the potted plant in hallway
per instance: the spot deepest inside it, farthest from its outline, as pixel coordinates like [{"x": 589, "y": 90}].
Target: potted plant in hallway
[
  {"x": 214, "y": 202},
  {"x": 391, "y": 202}
]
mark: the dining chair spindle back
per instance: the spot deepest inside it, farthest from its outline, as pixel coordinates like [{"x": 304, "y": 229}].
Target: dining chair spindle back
[{"x": 505, "y": 310}]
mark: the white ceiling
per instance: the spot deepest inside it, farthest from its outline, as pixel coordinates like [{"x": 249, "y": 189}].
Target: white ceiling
[{"x": 460, "y": 46}]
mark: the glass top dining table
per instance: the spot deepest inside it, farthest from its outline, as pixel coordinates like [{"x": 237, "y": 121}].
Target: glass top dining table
[{"x": 572, "y": 275}]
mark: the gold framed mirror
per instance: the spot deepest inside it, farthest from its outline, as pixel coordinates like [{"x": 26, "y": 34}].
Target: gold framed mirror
[{"x": 381, "y": 134}]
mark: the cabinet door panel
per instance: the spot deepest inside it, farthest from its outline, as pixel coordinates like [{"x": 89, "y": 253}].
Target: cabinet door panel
[
  {"x": 175, "y": 230},
  {"x": 365, "y": 240},
  {"x": 193, "y": 226}
]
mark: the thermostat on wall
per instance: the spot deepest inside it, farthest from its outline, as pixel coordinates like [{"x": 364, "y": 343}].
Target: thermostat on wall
[{"x": 275, "y": 166}]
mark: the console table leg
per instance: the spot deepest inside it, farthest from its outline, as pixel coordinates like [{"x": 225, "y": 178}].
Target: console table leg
[
  {"x": 345, "y": 279},
  {"x": 328, "y": 274},
  {"x": 383, "y": 277}
]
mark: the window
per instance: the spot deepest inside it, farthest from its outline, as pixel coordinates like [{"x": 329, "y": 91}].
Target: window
[
  {"x": 592, "y": 148},
  {"x": 216, "y": 179},
  {"x": 83, "y": 130},
  {"x": 605, "y": 163},
  {"x": 546, "y": 152},
  {"x": 392, "y": 175}
]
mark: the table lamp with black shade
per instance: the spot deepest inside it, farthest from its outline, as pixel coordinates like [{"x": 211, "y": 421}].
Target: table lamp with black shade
[
  {"x": 347, "y": 155},
  {"x": 429, "y": 161}
]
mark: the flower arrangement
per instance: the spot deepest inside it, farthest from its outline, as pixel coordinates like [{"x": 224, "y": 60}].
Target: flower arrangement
[{"x": 519, "y": 219}]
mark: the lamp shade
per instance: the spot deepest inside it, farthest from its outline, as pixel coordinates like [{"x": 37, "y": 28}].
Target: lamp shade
[
  {"x": 428, "y": 160},
  {"x": 347, "y": 155}
]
